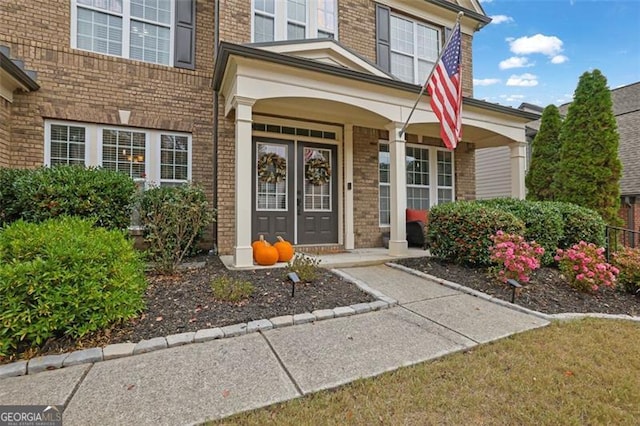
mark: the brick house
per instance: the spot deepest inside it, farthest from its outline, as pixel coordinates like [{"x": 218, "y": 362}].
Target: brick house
[{"x": 287, "y": 112}]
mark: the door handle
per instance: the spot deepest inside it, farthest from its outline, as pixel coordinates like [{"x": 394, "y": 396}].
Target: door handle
[{"x": 299, "y": 203}]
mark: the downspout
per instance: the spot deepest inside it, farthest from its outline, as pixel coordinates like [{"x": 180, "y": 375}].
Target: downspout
[{"x": 216, "y": 39}]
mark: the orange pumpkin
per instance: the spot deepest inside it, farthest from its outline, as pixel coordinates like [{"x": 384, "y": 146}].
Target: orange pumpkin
[
  {"x": 285, "y": 250},
  {"x": 258, "y": 244},
  {"x": 266, "y": 255}
]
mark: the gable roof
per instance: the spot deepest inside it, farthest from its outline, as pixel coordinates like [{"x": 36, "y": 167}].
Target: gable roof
[
  {"x": 14, "y": 76},
  {"x": 325, "y": 50}
]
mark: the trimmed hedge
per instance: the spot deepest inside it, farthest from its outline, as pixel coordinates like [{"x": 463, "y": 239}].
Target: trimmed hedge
[
  {"x": 103, "y": 196},
  {"x": 65, "y": 277},
  {"x": 580, "y": 224},
  {"x": 460, "y": 232},
  {"x": 543, "y": 222}
]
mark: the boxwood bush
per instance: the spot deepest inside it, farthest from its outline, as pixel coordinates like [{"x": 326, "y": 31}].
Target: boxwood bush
[
  {"x": 543, "y": 222},
  {"x": 460, "y": 232},
  {"x": 64, "y": 277},
  {"x": 580, "y": 224},
  {"x": 104, "y": 196}
]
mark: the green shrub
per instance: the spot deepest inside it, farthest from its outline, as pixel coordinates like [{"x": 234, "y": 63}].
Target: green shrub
[
  {"x": 100, "y": 195},
  {"x": 9, "y": 210},
  {"x": 65, "y": 277},
  {"x": 542, "y": 221},
  {"x": 580, "y": 224},
  {"x": 461, "y": 232},
  {"x": 174, "y": 219},
  {"x": 627, "y": 260},
  {"x": 231, "y": 290},
  {"x": 305, "y": 266}
]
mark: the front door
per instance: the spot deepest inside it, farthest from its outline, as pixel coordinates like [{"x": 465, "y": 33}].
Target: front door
[{"x": 295, "y": 191}]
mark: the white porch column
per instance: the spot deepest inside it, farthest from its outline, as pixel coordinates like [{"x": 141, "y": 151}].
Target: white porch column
[
  {"x": 518, "y": 166},
  {"x": 242, "y": 251},
  {"x": 397, "y": 150},
  {"x": 349, "y": 237}
]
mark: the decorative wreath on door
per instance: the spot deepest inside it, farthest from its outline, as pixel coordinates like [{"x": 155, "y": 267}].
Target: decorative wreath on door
[
  {"x": 318, "y": 171},
  {"x": 272, "y": 168}
]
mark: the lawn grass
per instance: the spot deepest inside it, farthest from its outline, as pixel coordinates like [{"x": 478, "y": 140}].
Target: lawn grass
[{"x": 575, "y": 373}]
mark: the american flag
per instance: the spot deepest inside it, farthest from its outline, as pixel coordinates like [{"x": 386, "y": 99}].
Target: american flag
[{"x": 445, "y": 89}]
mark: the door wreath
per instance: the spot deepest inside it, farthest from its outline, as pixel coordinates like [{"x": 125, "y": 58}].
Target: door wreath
[
  {"x": 318, "y": 171},
  {"x": 272, "y": 168}
]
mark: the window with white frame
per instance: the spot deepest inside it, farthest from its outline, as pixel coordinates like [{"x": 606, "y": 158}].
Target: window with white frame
[
  {"x": 135, "y": 29},
  {"x": 275, "y": 20},
  {"x": 414, "y": 49},
  {"x": 147, "y": 155},
  {"x": 424, "y": 165},
  {"x": 67, "y": 145}
]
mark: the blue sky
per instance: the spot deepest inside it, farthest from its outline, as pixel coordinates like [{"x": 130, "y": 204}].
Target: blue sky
[{"x": 535, "y": 50}]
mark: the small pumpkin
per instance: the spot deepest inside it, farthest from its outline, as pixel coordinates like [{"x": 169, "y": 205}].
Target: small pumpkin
[
  {"x": 258, "y": 244},
  {"x": 285, "y": 250},
  {"x": 266, "y": 255}
]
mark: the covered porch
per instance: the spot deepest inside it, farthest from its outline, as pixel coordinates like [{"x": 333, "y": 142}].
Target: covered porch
[{"x": 341, "y": 106}]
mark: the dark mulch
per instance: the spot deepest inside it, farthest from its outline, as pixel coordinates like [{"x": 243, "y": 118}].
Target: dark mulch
[
  {"x": 548, "y": 290},
  {"x": 185, "y": 302}
]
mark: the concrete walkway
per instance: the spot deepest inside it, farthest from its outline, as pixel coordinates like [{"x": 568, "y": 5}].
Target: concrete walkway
[{"x": 193, "y": 383}]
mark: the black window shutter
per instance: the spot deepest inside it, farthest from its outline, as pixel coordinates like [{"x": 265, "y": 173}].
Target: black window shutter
[
  {"x": 383, "y": 37},
  {"x": 447, "y": 34},
  {"x": 185, "y": 33}
]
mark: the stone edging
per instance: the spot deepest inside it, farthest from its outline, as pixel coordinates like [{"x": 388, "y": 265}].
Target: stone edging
[
  {"x": 120, "y": 350},
  {"x": 484, "y": 296}
]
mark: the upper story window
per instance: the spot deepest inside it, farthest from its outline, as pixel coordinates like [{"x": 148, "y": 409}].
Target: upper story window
[
  {"x": 275, "y": 20},
  {"x": 414, "y": 49},
  {"x": 135, "y": 29}
]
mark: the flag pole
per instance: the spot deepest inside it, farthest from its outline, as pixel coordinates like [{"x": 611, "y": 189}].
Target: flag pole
[{"x": 424, "y": 86}]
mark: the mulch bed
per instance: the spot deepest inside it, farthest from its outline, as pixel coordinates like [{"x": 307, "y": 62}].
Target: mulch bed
[
  {"x": 547, "y": 292},
  {"x": 185, "y": 302}
]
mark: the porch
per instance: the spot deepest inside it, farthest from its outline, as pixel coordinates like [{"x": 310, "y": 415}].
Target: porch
[{"x": 361, "y": 108}]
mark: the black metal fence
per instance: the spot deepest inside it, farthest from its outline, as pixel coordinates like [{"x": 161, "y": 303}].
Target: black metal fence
[{"x": 621, "y": 237}]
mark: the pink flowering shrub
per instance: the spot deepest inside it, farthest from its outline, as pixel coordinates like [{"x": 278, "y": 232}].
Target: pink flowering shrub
[
  {"x": 586, "y": 268},
  {"x": 627, "y": 260},
  {"x": 516, "y": 257}
]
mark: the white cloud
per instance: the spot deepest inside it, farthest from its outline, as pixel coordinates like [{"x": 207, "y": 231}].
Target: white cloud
[
  {"x": 559, "y": 59},
  {"x": 486, "y": 1},
  {"x": 547, "y": 45},
  {"x": 485, "y": 81},
  {"x": 524, "y": 80},
  {"x": 512, "y": 98},
  {"x": 515, "y": 62},
  {"x": 499, "y": 19}
]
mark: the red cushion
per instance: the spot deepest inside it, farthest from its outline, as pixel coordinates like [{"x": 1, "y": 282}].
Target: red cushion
[{"x": 417, "y": 215}]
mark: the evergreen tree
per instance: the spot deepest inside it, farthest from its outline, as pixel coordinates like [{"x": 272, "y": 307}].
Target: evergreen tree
[
  {"x": 589, "y": 170},
  {"x": 544, "y": 157}
]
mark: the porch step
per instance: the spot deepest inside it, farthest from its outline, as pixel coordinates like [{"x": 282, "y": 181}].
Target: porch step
[{"x": 320, "y": 249}]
